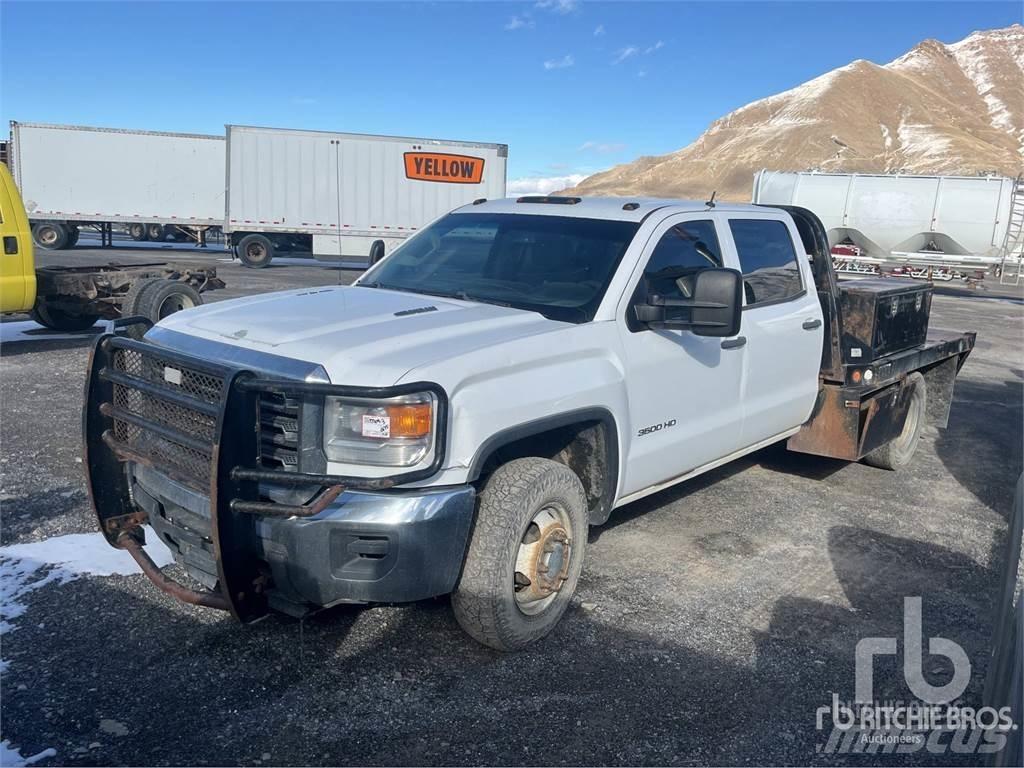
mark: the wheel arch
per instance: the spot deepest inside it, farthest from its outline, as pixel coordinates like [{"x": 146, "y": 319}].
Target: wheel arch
[{"x": 586, "y": 440}]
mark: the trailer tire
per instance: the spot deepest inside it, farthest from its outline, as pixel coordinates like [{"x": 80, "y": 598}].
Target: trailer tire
[
  {"x": 531, "y": 520},
  {"x": 256, "y": 251},
  {"x": 897, "y": 453},
  {"x": 165, "y": 297},
  {"x": 50, "y": 235},
  {"x": 137, "y": 232},
  {"x": 59, "y": 319},
  {"x": 156, "y": 232},
  {"x": 73, "y": 233}
]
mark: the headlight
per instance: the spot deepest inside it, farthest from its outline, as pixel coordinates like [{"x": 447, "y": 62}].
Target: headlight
[{"x": 394, "y": 432}]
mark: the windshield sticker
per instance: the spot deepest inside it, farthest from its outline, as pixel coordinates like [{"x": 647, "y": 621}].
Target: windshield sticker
[{"x": 442, "y": 167}]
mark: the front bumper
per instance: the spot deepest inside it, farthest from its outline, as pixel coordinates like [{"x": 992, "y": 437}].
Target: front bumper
[
  {"x": 379, "y": 547},
  {"x": 193, "y": 448}
]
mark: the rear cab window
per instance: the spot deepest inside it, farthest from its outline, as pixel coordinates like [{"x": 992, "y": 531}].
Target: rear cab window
[{"x": 768, "y": 260}]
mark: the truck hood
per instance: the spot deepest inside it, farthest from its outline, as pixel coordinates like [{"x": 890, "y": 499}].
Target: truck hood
[{"x": 361, "y": 336}]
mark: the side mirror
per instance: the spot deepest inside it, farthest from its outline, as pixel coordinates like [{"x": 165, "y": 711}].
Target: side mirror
[
  {"x": 376, "y": 251},
  {"x": 713, "y": 308}
]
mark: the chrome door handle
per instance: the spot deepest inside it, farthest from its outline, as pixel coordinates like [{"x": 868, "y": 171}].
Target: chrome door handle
[
  {"x": 736, "y": 343},
  {"x": 810, "y": 325}
]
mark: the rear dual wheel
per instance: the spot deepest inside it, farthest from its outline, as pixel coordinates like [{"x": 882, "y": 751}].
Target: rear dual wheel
[
  {"x": 525, "y": 554},
  {"x": 897, "y": 453},
  {"x": 155, "y": 299}
]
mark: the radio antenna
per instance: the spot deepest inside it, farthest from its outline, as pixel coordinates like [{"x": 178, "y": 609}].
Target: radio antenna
[{"x": 711, "y": 203}]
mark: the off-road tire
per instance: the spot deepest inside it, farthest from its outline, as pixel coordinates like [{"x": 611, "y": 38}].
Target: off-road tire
[
  {"x": 59, "y": 319},
  {"x": 256, "y": 251},
  {"x": 137, "y": 232},
  {"x": 484, "y": 600},
  {"x": 50, "y": 235},
  {"x": 131, "y": 305},
  {"x": 897, "y": 453},
  {"x": 156, "y": 233}
]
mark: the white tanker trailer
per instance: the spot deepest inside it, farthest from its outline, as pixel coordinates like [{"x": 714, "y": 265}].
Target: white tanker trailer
[{"x": 949, "y": 223}]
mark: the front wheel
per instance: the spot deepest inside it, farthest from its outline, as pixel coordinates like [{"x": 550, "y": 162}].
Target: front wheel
[
  {"x": 61, "y": 320},
  {"x": 525, "y": 554},
  {"x": 897, "y": 453}
]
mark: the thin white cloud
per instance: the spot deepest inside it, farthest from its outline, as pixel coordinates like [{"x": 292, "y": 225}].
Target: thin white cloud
[
  {"x": 562, "y": 63},
  {"x": 519, "y": 22},
  {"x": 601, "y": 147},
  {"x": 625, "y": 53},
  {"x": 656, "y": 47},
  {"x": 642, "y": 73},
  {"x": 558, "y": 6},
  {"x": 542, "y": 185},
  {"x": 599, "y": 30}
]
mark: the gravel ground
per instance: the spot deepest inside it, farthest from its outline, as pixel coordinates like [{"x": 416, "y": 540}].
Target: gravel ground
[{"x": 711, "y": 622}]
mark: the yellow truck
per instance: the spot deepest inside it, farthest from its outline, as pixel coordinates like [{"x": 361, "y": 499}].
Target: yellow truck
[{"x": 74, "y": 298}]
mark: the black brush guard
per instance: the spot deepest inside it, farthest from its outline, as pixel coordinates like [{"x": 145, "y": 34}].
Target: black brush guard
[{"x": 198, "y": 423}]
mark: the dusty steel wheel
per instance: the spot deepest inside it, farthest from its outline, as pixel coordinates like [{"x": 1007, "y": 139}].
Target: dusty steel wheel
[
  {"x": 542, "y": 562},
  {"x": 525, "y": 553}
]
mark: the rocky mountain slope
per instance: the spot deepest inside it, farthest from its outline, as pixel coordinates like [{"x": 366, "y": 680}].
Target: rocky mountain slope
[{"x": 951, "y": 109}]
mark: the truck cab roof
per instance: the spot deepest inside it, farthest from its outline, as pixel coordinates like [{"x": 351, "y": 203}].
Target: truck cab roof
[{"x": 609, "y": 208}]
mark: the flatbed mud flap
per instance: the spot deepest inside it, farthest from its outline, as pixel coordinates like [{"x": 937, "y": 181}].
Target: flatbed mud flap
[
  {"x": 132, "y": 403},
  {"x": 848, "y": 425}
]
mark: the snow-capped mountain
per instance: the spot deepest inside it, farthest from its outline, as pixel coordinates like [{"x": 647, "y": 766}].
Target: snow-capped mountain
[{"x": 950, "y": 109}]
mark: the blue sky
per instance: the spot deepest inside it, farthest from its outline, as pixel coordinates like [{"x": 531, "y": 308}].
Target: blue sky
[{"x": 572, "y": 87}]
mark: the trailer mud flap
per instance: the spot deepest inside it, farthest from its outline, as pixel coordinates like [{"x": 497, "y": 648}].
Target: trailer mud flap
[{"x": 846, "y": 424}]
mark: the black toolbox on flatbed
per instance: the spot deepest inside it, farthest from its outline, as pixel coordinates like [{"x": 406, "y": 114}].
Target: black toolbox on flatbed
[{"x": 882, "y": 316}]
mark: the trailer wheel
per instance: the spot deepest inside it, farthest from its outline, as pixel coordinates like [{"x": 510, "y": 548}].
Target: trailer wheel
[
  {"x": 525, "y": 554},
  {"x": 50, "y": 235},
  {"x": 137, "y": 232},
  {"x": 897, "y": 453},
  {"x": 156, "y": 232},
  {"x": 59, "y": 319},
  {"x": 165, "y": 297},
  {"x": 256, "y": 251}
]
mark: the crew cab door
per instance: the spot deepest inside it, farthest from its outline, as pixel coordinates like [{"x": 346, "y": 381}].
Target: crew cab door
[
  {"x": 782, "y": 324},
  {"x": 684, "y": 390}
]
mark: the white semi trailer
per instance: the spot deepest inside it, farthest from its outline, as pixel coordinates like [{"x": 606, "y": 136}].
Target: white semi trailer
[
  {"x": 156, "y": 185},
  {"x": 336, "y": 194},
  {"x": 948, "y": 222}
]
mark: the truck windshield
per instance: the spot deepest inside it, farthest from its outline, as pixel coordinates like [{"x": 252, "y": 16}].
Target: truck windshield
[{"x": 558, "y": 266}]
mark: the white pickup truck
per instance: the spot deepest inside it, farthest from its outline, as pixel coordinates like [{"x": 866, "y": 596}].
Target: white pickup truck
[{"x": 456, "y": 419}]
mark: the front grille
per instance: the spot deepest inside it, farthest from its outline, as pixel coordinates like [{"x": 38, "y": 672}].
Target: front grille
[
  {"x": 279, "y": 431},
  {"x": 189, "y": 463}
]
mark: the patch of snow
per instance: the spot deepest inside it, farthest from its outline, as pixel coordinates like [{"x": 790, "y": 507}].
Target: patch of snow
[
  {"x": 921, "y": 141},
  {"x": 25, "y": 568},
  {"x": 973, "y": 57},
  {"x": 886, "y": 136},
  {"x": 11, "y": 756}
]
